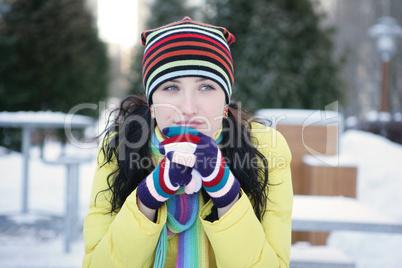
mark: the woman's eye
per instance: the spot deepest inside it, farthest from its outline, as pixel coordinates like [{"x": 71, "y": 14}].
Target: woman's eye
[
  {"x": 170, "y": 88},
  {"x": 207, "y": 87}
]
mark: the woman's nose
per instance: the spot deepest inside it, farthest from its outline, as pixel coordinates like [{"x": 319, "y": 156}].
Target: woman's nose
[{"x": 189, "y": 105}]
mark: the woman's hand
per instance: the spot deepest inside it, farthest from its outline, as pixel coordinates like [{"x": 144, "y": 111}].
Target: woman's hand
[
  {"x": 164, "y": 181},
  {"x": 179, "y": 149},
  {"x": 217, "y": 179},
  {"x": 174, "y": 171}
]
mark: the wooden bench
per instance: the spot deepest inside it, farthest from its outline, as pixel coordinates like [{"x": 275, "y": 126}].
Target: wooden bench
[
  {"x": 338, "y": 213},
  {"x": 329, "y": 176},
  {"x": 306, "y": 256},
  {"x": 314, "y": 134},
  {"x": 306, "y": 132}
]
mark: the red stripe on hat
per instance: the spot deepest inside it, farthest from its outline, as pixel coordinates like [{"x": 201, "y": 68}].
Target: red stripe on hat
[
  {"x": 186, "y": 43},
  {"x": 187, "y": 35},
  {"x": 161, "y": 180},
  {"x": 190, "y": 52},
  {"x": 219, "y": 177}
]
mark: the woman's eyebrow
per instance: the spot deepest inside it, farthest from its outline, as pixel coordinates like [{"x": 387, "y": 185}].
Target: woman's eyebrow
[{"x": 201, "y": 79}]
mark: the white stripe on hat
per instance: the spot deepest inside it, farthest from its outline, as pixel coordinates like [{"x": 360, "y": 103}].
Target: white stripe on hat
[
  {"x": 180, "y": 30},
  {"x": 183, "y": 73}
]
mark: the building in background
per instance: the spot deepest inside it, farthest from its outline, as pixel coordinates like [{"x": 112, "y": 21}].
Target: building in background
[{"x": 362, "y": 69}]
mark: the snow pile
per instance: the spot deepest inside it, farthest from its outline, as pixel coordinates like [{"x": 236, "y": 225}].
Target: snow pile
[
  {"x": 379, "y": 184},
  {"x": 43, "y": 118},
  {"x": 379, "y": 164}
]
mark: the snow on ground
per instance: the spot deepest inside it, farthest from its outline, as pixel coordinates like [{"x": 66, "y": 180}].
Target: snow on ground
[
  {"x": 46, "y": 181},
  {"x": 24, "y": 242},
  {"x": 379, "y": 185},
  {"x": 41, "y": 245},
  {"x": 28, "y": 251}
]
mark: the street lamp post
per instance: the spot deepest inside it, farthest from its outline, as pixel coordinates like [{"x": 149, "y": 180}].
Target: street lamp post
[{"x": 386, "y": 31}]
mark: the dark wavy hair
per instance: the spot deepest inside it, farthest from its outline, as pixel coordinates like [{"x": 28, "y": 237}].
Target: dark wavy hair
[{"x": 128, "y": 134}]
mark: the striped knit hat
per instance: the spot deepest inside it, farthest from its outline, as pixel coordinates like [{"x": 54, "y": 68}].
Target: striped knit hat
[{"x": 187, "y": 48}]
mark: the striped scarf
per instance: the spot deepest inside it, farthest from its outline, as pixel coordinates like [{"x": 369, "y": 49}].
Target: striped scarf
[{"x": 182, "y": 220}]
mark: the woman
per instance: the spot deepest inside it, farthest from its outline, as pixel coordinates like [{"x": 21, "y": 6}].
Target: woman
[{"x": 182, "y": 177}]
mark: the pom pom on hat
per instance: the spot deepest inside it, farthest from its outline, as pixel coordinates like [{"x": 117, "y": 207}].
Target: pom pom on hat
[{"x": 187, "y": 48}]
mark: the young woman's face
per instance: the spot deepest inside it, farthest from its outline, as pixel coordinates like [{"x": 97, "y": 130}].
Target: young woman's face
[{"x": 195, "y": 102}]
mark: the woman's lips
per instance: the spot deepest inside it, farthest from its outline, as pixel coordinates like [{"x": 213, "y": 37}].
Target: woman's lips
[{"x": 189, "y": 123}]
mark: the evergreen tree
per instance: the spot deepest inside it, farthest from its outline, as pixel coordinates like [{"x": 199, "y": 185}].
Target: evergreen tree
[
  {"x": 53, "y": 58},
  {"x": 282, "y": 56},
  {"x": 161, "y": 12}
]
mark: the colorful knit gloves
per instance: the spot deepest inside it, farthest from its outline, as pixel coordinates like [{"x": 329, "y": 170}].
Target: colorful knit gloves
[
  {"x": 167, "y": 178},
  {"x": 180, "y": 149},
  {"x": 217, "y": 179}
]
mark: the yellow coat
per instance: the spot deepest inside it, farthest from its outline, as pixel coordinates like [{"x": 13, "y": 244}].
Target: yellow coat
[{"x": 238, "y": 239}]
